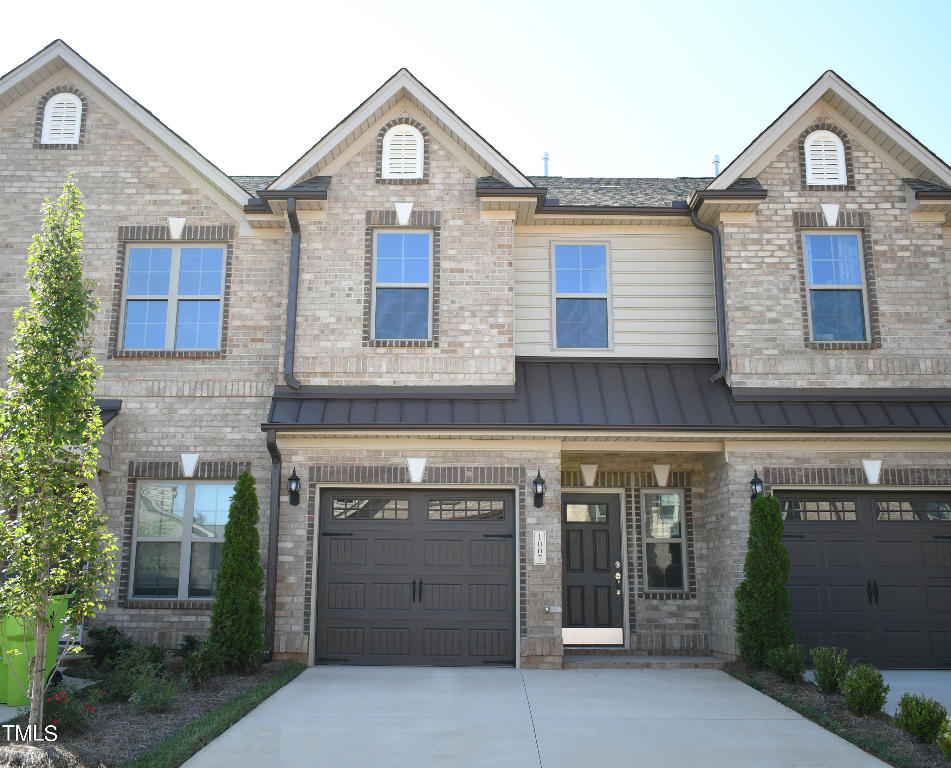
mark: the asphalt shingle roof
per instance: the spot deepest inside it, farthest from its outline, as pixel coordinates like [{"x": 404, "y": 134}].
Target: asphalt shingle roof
[{"x": 588, "y": 190}]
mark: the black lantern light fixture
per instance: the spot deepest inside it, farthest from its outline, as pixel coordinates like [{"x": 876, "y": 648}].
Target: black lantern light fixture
[
  {"x": 538, "y": 488},
  {"x": 756, "y": 486},
  {"x": 293, "y": 488}
]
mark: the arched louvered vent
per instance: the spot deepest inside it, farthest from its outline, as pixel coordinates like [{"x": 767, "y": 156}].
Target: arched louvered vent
[
  {"x": 62, "y": 119},
  {"x": 825, "y": 158},
  {"x": 403, "y": 153}
]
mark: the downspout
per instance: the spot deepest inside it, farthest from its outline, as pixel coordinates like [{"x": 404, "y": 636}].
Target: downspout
[
  {"x": 718, "y": 286},
  {"x": 290, "y": 335},
  {"x": 273, "y": 526}
]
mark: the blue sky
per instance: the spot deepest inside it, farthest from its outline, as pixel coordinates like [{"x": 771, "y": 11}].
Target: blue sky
[{"x": 608, "y": 88}]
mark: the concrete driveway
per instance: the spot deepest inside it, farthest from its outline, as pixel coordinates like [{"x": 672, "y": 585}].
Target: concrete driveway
[{"x": 400, "y": 716}]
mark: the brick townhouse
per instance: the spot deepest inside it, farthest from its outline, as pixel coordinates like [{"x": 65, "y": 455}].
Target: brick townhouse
[{"x": 500, "y": 419}]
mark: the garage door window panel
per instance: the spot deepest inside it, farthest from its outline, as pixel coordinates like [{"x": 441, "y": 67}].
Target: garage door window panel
[
  {"x": 179, "y": 536},
  {"x": 912, "y": 510},
  {"x": 466, "y": 509},
  {"x": 818, "y": 510},
  {"x": 372, "y": 508}
]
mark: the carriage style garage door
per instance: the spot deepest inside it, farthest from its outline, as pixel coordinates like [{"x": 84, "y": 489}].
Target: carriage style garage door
[
  {"x": 416, "y": 577},
  {"x": 871, "y": 572}
]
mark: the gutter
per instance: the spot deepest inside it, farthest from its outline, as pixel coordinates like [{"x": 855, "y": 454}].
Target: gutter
[
  {"x": 718, "y": 285},
  {"x": 290, "y": 334},
  {"x": 273, "y": 526}
]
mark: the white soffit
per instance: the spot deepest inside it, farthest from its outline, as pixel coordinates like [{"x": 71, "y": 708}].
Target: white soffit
[
  {"x": 873, "y": 470},
  {"x": 58, "y": 55},
  {"x": 843, "y": 98},
  {"x": 402, "y": 83}
]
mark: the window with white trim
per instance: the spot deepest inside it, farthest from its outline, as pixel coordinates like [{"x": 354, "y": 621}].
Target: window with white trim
[
  {"x": 825, "y": 159},
  {"x": 62, "y": 119},
  {"x": 179, "y": 531},
  {"x": 835, "y": 277},
  {"x": 664, "y": 553},
  {"x": 581, "y": 296},
  {"x": 173, "y": 297},
  {"x": 402, "y": 284},
  {"x": 403, "y": 153}
]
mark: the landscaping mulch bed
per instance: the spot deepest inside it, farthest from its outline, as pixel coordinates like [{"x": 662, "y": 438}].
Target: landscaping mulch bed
[
  {"x": 876, "y": 734},
  {"x": 118, "y": 732}
]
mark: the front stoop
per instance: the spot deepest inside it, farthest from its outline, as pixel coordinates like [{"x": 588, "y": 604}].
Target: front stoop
[{"x": 584, "y": 658}]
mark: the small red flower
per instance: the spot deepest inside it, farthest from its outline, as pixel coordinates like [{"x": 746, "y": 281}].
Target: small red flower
[
  {"x": 54, "y": 722},
  {"x": 48, "y": 699}
]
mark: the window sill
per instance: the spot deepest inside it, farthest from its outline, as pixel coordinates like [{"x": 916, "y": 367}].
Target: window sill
[
  {"x": 183, "y": 354},
  {"x": 164, "y": 603},
  {"x": 841, "y": 345},
  {"x": 56, "y": 146},
  {"x": 401, "y": 343},
  {"x": 381, "y": 180}
]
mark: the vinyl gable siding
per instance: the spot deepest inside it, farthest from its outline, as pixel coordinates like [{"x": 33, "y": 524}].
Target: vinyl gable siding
[{"x": 661, "y": 293}]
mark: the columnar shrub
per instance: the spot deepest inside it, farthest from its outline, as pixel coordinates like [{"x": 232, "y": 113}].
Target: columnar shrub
[
  {"x": 237, "y": 620},
  {"x": 922, "y": 717},
  {"x": 762, "y": 600},
  {"x": 832, "y": 665},
  {"x": 865, "y": 690}
]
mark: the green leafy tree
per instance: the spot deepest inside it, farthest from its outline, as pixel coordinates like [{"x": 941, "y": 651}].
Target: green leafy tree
[
  {"x": 762, "y": 599},
  {"x": 237, "y": 621},
  {"x": 53, "y": 538}
]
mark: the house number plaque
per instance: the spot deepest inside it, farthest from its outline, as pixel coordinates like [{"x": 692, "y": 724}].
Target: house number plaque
[{"x": 539, "y": 548}]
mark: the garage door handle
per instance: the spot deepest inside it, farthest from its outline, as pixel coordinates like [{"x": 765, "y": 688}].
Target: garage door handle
[
  {"x": 868, "y": 592},
  {"x": 496, "y": 535},
  {"x": 875, "y": 592},
  {"x": 420, "y": 591},
  {"x": 334, "y": 533},
  {"x": 414, "y": 590}
]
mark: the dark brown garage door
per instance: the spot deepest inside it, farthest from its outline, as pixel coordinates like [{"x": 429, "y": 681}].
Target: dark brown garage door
[
  {"x": 871, "y": 572},
  {"x": 416, "y": 577}
]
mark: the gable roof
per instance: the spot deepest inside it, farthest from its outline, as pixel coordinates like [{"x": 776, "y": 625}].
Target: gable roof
[
  {"x": 870, "y": 119},
  {"x": 624, "y": 192},
  {"x": 58, "y": 56},
  {"x": 402, "y": 85}
]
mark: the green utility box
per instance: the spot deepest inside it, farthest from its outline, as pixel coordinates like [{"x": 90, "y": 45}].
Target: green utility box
[{"x": 19, "y": 665}]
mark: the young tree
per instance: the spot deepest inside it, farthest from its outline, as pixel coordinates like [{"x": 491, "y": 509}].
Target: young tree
[
  {"x": 237, "y": 621},
  {"x": 53, "y": 537},
  {"x": 762, "y": 599}
]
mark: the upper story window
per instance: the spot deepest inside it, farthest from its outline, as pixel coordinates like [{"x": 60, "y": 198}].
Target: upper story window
[
  {"x": 825, "y": 159},
  {"x": 581, "y": 296},
  {"x": 180, "y": 527},
  {"x": 836, "y": 287},
  {"x": 403, "y": 153},
  {"x": 402, "y": 284},
  {"x": 173, "y": 297},
  {"x": 62, "y": 119}
]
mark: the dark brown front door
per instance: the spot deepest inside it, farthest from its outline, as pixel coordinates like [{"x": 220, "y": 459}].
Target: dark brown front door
[
  {"x": 593, "y": 605},
  {"x": 871, "y": 572},
  {"x": 416, "y": 577}
]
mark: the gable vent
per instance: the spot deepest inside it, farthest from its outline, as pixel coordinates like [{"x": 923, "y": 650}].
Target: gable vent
[
  {"x": 403, "y": 153},
  {"x": 62, "y": 118},
  {"x": 825, "y": 158}
]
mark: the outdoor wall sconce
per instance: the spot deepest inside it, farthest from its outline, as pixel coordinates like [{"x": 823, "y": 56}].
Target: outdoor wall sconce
[
  {"x": 538, "y": 488},
  {"x": 293, "y": 488},
  {"x": 756, "y": 486}
]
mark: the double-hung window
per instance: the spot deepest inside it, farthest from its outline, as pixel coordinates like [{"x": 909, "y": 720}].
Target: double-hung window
[
  {"x": 836, "y": 287},
  {"x": 180, "y": 527},
  {"x": 581, "y": 296},
  {"x": 663, "y": 540},
  {"x": 173, "y": 297},
  {"x": 402, "y": 284}
]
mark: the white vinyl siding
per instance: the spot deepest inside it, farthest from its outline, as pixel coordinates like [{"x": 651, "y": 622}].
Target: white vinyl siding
[
  {"x": 403, "y": 153},
  {"x": 662, "y": 296},
  {"x": 825, "y": 159},
  {"x": 62, "y": 118}
]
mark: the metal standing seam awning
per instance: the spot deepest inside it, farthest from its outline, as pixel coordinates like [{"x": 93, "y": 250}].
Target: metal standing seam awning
[{"x": 609, "y": 394}]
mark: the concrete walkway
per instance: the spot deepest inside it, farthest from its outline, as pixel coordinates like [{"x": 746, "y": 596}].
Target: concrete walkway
[{"x": 397, "y": 716}]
